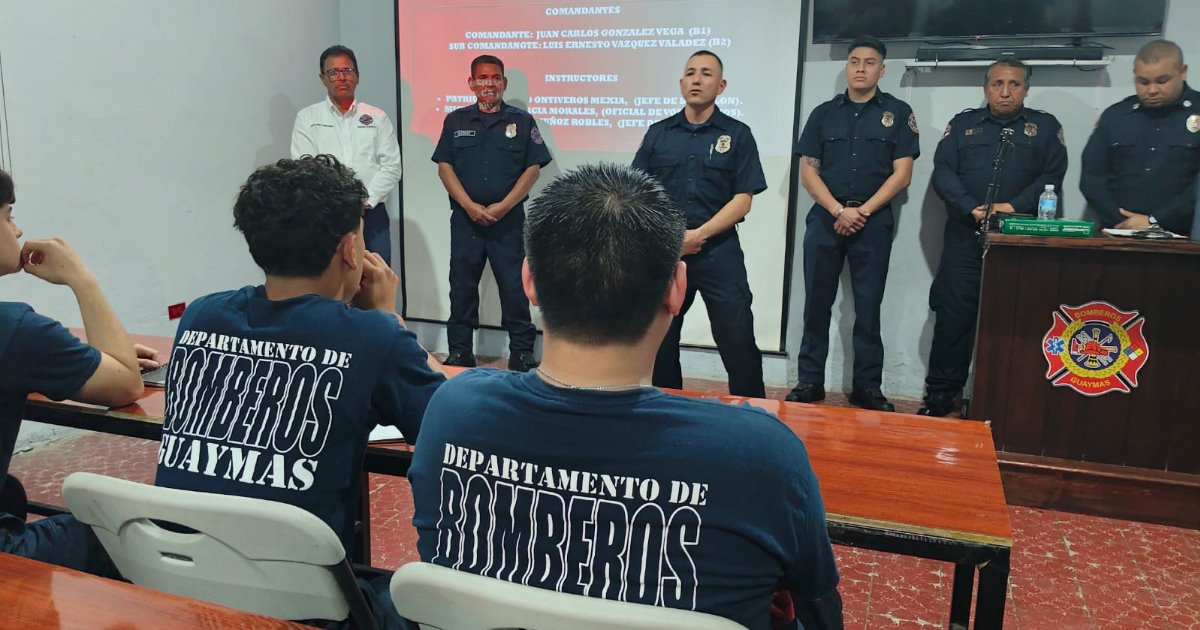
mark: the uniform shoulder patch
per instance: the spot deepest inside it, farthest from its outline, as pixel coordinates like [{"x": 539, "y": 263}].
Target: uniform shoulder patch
[
  {"x": 912, "y": 123},
  {"x": 535, "y": 135},
  {"x": 1061, "y": 138},
  {"x": 947, "y": 131}
]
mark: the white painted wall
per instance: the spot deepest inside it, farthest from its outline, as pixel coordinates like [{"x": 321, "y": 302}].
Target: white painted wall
[{"x": 133, "y": 122}]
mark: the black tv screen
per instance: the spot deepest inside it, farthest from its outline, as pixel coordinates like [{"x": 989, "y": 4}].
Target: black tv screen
[{"x": 841, "y": 20}]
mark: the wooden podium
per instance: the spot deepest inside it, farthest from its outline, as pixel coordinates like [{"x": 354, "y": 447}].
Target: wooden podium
[{"x": 1131, "y": 454}]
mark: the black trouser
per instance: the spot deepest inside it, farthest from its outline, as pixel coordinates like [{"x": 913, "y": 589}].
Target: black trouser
[
  {"x": 825, "y": 252},
  {"x": 471, "y": 246},
  {"x": 377, "y": 232},
  {"x": 718, "y": 273},
  {"x": 954, "y": 297}
]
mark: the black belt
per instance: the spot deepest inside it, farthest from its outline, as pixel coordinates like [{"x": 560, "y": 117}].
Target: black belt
[{"x": 850, "y": 203}]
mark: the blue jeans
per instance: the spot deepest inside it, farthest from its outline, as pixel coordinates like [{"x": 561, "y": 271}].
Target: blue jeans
[{"x": 60, "y": 540}]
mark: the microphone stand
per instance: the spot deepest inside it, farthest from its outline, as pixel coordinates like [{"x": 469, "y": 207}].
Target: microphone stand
[{"x": 994, "y": 187}]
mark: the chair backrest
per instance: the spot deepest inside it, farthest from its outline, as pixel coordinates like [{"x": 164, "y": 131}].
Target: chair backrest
[
  {"x": 437, "y": 597},
  {"x": 251, "y": 554}
]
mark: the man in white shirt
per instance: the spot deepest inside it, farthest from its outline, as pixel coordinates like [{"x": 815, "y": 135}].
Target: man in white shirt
[{"x": 359, "y": 136}]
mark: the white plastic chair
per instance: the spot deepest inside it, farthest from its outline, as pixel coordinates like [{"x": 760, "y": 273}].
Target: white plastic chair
[
  {"x": 445, "y": 599},
  {"x": 255, "y": 555}
]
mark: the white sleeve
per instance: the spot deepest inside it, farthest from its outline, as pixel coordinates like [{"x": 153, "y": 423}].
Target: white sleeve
[
  {"x": 388, "y": 152},
  {"x": 302, "y": 143}
]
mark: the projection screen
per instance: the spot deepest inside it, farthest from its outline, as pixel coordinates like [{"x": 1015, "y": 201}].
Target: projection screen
[{"x": 594, "y": 76}]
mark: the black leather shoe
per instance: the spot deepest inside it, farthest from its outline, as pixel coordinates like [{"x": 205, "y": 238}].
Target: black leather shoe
[
  {"x": 461, "y": 359},
  {"x": 522, "y": 362},
  {"x": 870, "y": 399},
  {"x": 938, "y": 404},
  {"x": 806, "y": 393}
]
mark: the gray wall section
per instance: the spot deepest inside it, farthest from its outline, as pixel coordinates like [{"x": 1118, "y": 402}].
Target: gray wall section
[{"x": 133, "y": 122}]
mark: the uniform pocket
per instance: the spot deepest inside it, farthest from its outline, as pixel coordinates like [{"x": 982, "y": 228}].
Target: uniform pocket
[
  {"x": 1127, "y": 159},
  {"x": 975, "y": 154},
  {"x": 881, "y": 149},
  {"x": 1184, "y": 154},
  {"x": 1023, "y": 160},
  {"x": 663, "y": 166},
  {"x": 723, "y": 163},
  {"x": 463, "y": 142}
]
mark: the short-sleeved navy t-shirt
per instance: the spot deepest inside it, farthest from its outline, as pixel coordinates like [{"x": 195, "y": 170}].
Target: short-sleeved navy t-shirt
[
  {"x": 637, "y": 496},
  {"x": 275, "y": 399},
  {"x": 37, "y": 354}
]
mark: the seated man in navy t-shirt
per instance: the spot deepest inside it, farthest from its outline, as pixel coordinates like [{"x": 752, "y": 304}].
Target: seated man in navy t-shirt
[
  {"x": 273, "y": 390},
  {"x": 580, "y": 476},
  {"x": 37, "y": 354}
]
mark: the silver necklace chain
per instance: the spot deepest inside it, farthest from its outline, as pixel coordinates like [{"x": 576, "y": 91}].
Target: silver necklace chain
[{"x": 558, "y": 382}]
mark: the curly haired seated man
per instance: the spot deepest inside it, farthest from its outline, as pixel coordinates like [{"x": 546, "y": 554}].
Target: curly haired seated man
[{"x": 318, "y": 347}]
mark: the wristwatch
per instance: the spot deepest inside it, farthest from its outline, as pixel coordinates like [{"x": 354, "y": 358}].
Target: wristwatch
[{"x": 1152, "y": 220}]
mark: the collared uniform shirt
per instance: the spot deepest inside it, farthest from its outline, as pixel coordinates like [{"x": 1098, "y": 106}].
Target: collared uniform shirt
[
  {"x": 489, "y": 153},
  {"x": 856, "y": 146},
  {"x": 363, "y": 138},
  {"x": 962, "y": 164},
  {"x": 1145, "y": 160},
  {"x": 702, "y": 166}
]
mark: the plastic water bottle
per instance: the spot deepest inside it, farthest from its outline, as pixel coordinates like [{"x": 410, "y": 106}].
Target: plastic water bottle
[{"x": 1048, "y": 204}]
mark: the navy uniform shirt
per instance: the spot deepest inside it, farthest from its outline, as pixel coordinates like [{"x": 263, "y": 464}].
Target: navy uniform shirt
[
  {"x": 1145, "y": 160},
  {"x": 856, "y": 146},
  {"x": 489, "y": 153},
  {"x": 962, "y": 164},
  {"x": 702, "y": 166}
]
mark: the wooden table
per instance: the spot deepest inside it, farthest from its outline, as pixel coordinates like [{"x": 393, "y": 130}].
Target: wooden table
[
  {"x": 39, "y": 595},
  {"x": 926, "y": 487}
]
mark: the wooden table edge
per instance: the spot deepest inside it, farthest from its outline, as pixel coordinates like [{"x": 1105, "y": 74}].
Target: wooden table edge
[{"x": 932, "y": 532}]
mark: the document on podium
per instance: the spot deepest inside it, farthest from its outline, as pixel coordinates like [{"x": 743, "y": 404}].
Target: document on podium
[{"x": 1141, "y": 234}]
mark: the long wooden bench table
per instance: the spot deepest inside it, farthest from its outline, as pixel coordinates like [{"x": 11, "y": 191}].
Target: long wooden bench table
[
  {"x": 898, "y": 483},
  {"x": 39, "y": 595}
]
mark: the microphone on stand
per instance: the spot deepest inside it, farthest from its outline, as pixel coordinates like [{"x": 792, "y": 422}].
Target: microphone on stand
[{"x": 993, "y": 189}]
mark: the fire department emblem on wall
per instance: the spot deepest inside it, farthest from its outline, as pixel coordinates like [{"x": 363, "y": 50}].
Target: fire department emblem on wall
[{"x": 1095, "y": 348}]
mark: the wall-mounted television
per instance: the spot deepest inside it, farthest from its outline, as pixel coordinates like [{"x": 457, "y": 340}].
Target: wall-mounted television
[{"x": 842, "y": 20}]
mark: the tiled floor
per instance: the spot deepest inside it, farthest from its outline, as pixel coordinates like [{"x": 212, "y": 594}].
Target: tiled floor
[{"x": 1068, "y": 571}]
